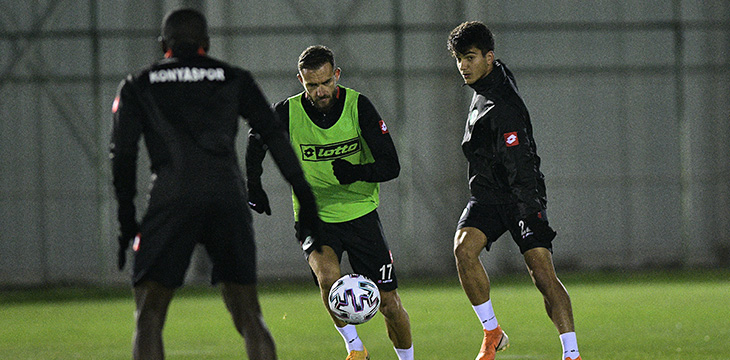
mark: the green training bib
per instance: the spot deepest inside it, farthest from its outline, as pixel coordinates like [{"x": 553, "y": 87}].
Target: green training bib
[{"x": 316, "y": 148}]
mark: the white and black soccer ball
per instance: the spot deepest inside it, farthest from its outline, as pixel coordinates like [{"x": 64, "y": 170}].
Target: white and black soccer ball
[{"x": 354, "y": 299}]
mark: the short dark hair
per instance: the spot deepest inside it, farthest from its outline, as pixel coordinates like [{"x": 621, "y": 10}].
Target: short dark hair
[
  {"x": 314, "y": 57},
  {"x": 185, "y": 26},
  {"x": 468, "y": 34}
]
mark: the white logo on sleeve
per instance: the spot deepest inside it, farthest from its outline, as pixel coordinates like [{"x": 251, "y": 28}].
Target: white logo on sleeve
[{"x": 308, "y": 242}]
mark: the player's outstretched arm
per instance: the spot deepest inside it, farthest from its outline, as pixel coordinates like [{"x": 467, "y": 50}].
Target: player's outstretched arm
[
  {"x": 290, "y": 168},
  {"x": 263, "y": 121}
]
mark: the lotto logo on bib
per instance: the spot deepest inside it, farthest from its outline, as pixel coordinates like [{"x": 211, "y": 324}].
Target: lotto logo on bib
[{"x": 315, "y": 152}]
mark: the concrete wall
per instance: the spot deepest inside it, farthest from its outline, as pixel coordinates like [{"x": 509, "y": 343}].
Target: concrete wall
[{"x": 628, "y": 100}]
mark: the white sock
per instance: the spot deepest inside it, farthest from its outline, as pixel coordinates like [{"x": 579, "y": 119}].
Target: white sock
[
  {"x": 570, "y": 345},
  {"x": 352, "y": 340},
  {"x": 404, "y": 354},
  {"x": 486, "y": 315}
]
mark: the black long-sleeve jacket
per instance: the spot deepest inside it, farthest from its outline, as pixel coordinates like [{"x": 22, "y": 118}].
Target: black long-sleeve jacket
[
  {"x": 504, "y": 166},
  {"x": 374, "y": 131},
  {"x": 190, "y": 133}
]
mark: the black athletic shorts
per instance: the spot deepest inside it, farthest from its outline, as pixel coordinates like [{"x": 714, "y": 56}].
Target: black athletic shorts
[
  {"x": 169, "y": 233},
  {"x": 366, "y": 248},
  {"x": 494, "y": 219}
]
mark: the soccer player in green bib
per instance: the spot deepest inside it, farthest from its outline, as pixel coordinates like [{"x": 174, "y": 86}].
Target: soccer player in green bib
[{"x": 345, "y": 150}]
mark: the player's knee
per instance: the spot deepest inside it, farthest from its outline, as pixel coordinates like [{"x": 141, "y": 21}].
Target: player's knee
[
  {"x": 464, "y": 250},
  {"x": 247, "y": 321},
  {"x": 152, "y": 301},
  {"x": 390, "y": 305},
  {"x": 326, "y": 269},
  {"x": 468, "y": 244},
  {"x": 327, "y": 279},
  {"x": 150, "y": 318}
]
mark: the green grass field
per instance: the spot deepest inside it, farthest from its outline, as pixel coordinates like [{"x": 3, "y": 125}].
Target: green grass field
[{"x": 656, "y": 315}]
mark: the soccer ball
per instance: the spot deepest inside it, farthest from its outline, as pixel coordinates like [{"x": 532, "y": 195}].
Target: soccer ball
[{"x": 354, "y": 299}]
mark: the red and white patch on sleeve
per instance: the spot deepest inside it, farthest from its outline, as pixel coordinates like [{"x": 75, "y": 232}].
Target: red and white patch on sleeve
[
  {"x": 115, "y": 104},
  {"x": 510, "y": 139},
  {"x": 383, "y": 127}
]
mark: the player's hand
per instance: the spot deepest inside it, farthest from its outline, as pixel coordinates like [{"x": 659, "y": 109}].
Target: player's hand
[
  {"x": 124, "y": 241},
  {"x": 345, "y": 172},
  {"x": 308, "y": 224},
  {"x": 257, "y": 199},
  {"x": 540, "y": 227},
  {"x": 309, "y": 227},
  {"x": 307, "y": 238},
  {"x": 128, "y": 229}
]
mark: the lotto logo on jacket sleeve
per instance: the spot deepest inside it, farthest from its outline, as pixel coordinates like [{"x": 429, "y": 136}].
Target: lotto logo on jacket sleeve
[
  {"x": 510, "y": 139},
  {"x": 383, "y": 127}
]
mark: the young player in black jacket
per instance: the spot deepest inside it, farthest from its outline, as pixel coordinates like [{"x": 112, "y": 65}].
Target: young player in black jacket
[
  {"x": 187, "y": 107},
  {"x": 507, "y": 189}
]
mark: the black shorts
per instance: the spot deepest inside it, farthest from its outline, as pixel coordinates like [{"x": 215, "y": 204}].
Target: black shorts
[
  {"x": 366, "y": 248},
  {"x": 494, "y": 219},
  {"x": 169, "y": 233}
]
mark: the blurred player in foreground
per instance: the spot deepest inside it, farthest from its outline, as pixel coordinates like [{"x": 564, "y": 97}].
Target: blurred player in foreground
[
  {"x": 507, "y": 189},
  {"x": 188, "y": 108},
  {"x": 346, "y": 151}
]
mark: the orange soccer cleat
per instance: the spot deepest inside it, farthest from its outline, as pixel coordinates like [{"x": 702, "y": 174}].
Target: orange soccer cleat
[
  {"x": 494, "y": 341},
  {"x": 358, "y": 355}
]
